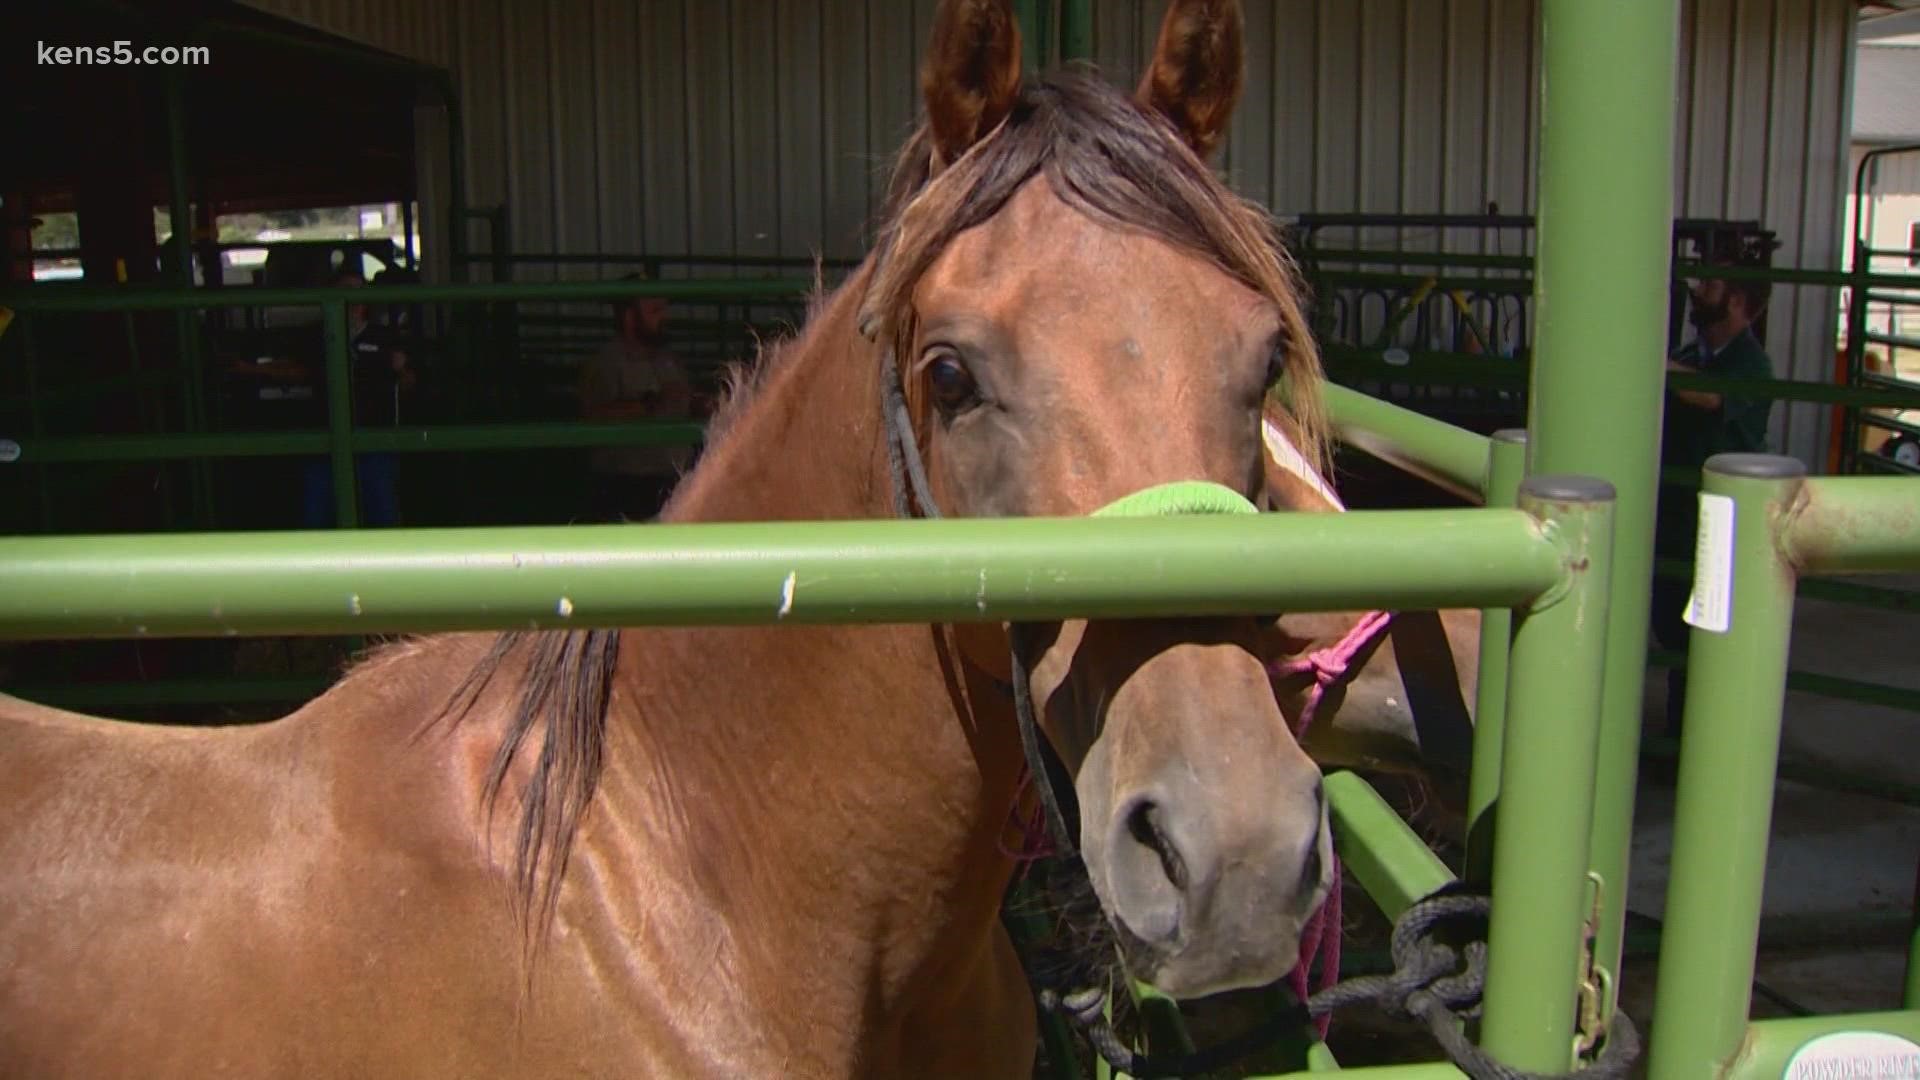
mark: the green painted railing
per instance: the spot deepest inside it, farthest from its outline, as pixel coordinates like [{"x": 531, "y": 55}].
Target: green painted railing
[
  {"x": 1778, "y": 523},
  {"x": 420, "y": 580},
  {"x": 1547, "y": 559}
]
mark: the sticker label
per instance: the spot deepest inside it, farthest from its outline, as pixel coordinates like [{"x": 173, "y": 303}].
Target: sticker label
[
  {"x": 1710, "y": 607},
  {"x": 1868, "y": 1055}
]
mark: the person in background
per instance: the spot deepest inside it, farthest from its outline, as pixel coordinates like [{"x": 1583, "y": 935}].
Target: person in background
[
  {"x": 380, "y": 377},
  {"x": 633, "y": 377},
  {"x": 1700, "y": 424}
]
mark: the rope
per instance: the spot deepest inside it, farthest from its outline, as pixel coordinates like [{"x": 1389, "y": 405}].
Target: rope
[
  {"x": 1428, "y": 983},
  {"x": 1332, "y": 665}
]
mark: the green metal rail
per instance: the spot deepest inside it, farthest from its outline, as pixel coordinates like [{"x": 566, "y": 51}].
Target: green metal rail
[
  {"x": 421, "y": 580},
  {"x": 1548, "y": 559},
  {"x": 1779, "y": 524}
]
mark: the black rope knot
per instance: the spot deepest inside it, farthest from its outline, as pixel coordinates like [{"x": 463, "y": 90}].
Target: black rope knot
[{"x": 1432, "y": 982}]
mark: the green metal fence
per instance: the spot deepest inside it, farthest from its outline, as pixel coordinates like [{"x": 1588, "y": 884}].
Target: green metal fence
[
  {"x": 1564, "y": 566},
  {"x": 1778, "y": 523}
]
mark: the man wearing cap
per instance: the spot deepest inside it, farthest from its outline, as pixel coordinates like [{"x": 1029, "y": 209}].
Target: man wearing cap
[{"x": 635, "y": 377}]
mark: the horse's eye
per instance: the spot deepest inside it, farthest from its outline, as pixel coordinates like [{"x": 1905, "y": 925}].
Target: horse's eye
[
  {"x": 953, "y": 385},
  {"x": 1276, "y": 364}
]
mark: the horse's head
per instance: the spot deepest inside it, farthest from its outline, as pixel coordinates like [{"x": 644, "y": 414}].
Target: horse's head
[{"x": 1079, "y": 310}]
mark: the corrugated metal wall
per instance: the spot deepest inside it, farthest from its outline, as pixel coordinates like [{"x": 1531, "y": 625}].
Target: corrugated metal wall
[
  {"x": 1371, "y": 106},
  {"x": 765, "y": 126},
  {"x": 1428, "y": 106}
]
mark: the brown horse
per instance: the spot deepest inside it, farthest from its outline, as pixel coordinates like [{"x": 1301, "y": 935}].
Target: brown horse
[{"x": 747, "y": 851}]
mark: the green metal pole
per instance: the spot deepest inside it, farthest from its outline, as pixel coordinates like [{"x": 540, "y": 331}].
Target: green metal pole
[
  {"x": 1448, "y": 456},
  {"x": 1391, "y": 862},
  {"x": 456, "y": 185},
  {"x": 187, "y": 338},
  {"x": 1076, "y": 30},
  {"x": 1541, "y": 901},
  {"x": 1910, "y": 997},
  {"x": 1856, "y": 524},
  {"x": 180, "y": 215},
  {"x": 1729, "y": 751},
  {"x": 540, "y": 435},
  {"x": 1506, "y": 465},
  {"x": 1772, "y": 1045},
  {"x": 142, "y": 299},
  {"x": 406, "y": 580},
  {"x": 333, "y": 315},
  {"x": 36, "y": 421},
  {"x": 1597, "y": 393},
  {"x": 1035, "y": 19}
]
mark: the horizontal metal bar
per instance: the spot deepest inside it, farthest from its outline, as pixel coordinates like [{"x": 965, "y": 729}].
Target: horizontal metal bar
[
  {"x": 1452, "y": 457},
  {"x": 1429, "y": 368},
  {"x": 1327, "y": 280},
  {"x": 1771, "y": 1044},
  {"x": 1417, "y": 258},
  {"x": 1855, "y": 524},
  {"x": 209, "y": 692},
  {"x": 1792, "y": 275},
  {"x": 981, "y": 569},
  {"x": 629, "y": 258},
  {"x": 552, "y": 435},
  {"x": 1435, "y": 1070},
  {"x": 1393, "y": 865},
  {"x": 1380, "y": 221},
  {"x": 1898, "y": 341},
  {"x": 1905, "y": 396},
  {"x": 1899, "y": 299},
  {"x": 1884, "y": 464},
  {"x": 44, "y": 298}
]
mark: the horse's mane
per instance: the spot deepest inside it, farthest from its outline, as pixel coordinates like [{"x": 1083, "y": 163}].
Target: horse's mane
[{"x": 1103, "y": 153}]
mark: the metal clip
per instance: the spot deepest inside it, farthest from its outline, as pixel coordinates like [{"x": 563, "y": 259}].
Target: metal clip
[{"x": 1595, "y": 982}]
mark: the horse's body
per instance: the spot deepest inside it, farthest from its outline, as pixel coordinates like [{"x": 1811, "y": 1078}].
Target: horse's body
[
  {"x": 792, "y": 865},
  {"x": 767, "y": 850}
]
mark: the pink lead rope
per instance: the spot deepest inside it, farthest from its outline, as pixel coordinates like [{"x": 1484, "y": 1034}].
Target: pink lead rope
[{"x": 1329, "y": 667}]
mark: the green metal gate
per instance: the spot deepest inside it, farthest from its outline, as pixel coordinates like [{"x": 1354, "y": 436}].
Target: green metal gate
[{"x": 1562, "y": 570}]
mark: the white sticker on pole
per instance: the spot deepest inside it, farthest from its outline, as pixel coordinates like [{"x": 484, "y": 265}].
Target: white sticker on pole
[
  {"x": 1710, "y": 607},
  {"x": 1855, "y": 1053}
]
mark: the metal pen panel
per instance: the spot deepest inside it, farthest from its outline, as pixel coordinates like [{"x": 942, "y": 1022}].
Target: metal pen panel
[
  {"x": 1729, "y": 756},
  {"x": 1537, "y": 932},
  {"x": 791, "y": 573}
]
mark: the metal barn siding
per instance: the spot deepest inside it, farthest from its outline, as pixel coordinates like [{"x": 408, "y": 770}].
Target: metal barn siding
[
  {"x": 1428, "y": 106},
  {"x": 759, "y": 127},
  {"x": 748, "y": 127},
  {"x": 1762, "y": 133}
]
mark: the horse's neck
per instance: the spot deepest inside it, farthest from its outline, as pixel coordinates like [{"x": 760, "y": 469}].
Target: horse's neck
[
  {"x": 860, "y": 790},
  {"x": 807, "y": 444}
]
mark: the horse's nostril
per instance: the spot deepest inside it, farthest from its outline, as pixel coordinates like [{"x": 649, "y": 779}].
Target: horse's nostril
[
  {"x": 1310, "y": 871},
  {"x": 1143, "y": 825}
]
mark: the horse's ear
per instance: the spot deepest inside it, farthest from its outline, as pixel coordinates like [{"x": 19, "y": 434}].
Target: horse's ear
[
  {"x": 971, "y": 75},
  {"x": 1198, "y": 69}
]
